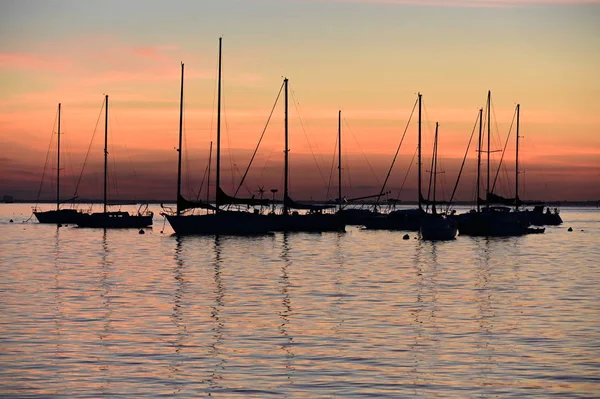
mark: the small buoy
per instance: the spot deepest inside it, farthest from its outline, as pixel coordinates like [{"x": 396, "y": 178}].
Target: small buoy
[
  {"x": 570, "y": 229},
  {"x": 582, "y": 230},
  {"x": 406, "y": 237},
  {"x": 142, "y": 231},
  {"x": 11, "y": 221}
]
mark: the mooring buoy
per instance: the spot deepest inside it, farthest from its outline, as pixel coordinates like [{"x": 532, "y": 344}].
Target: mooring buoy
[
  {"x": 11, "y": 221},
  {"x": 142, "y": 231},
  {"x": 570, "y": 229},
  {"x": 406, "y": 237}
]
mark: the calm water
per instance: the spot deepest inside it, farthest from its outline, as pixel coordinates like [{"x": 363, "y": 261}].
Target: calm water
[{"x": 90, "y": 313}]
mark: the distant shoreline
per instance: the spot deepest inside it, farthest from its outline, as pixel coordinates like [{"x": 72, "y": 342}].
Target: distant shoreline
[{"x": 552, "y": 204}]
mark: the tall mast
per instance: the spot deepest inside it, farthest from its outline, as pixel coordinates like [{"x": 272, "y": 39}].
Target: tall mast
[
  {"x": 489, "y": 106},
  {"x": 105, "y": 149},
  {"x": 517, "y": 161},
  {"x": 434, "y": 169},
  {"x": 340, "y": 159},
  {"x": 180, "y": 139},
  {"x": 208, "y": 177},
  {"x": 58, "y": 163},
  {"x": 419, "y": 154},
  {"x": 286, "y": 150},
  {"x": 479, "y": 142},
  {"x": 218, "y": 183}
]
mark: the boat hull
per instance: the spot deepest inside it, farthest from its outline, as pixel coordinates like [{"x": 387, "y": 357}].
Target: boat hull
[
  {"x": 311, "y": 223},
  {"x": 438, "y": 228},
  {"x": 61, "y": 216},
  {"x": 114, "y": 220},
  {"x": 541, "y": 218},
  {"x": 222, "y": 223},
  {"x": 409, "y": 220},
  {"x": 491, "y": 224},
  {"x": 355, "y": 217}
]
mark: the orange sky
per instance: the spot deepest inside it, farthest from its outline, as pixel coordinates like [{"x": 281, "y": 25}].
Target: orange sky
[{"x": 368, "y": 58}]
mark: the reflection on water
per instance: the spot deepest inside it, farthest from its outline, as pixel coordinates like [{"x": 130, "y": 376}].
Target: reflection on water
[
  {"x": 286, "y": 311},
  {"x": 90, "y": 313},
  {"x": 219, "y": 321},
  {"x": 105, "y": 334},
  {"x": 177, "y": 316}
]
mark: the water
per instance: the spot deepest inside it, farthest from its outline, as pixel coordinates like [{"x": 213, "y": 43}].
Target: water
[{"x": 90, "y": 313}]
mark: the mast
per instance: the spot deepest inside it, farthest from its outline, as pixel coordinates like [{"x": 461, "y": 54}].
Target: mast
[
  {"x": 479, "y": 142},
  {"x": 419, "y": 154},
  {"x": 218, "y": 183},
  {"x": 208, "y": 178},
  {"x": 180, "y": 138},
  {"x": 58, "y": 163},
  {"x": 434, "y": 169},
  {"x": 340, "y": 159},
  {"x": 105, "y": 149},
  {"x": 489, "y": 105},
  {"x": 517, "y": 161},
  {"x": 286, "y": 150}
]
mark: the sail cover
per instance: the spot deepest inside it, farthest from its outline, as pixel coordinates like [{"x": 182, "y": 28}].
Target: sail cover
[
  {"x": 290, "y": 203},
  {"x": 183, "y": 204},
  {"x": 229, "y": 200}
]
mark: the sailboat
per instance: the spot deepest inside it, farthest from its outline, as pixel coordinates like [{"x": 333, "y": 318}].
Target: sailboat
[
  {"x": 350, "y": 215},
  {"x": 491, "y": 221},
  {"x": 58, "y": 215},
  {"x": 114, "y": 219},
  {"x": 402, "y": 219},
  {"x": 537, "y": 216},
  {"x": 436, "y": 226},
  {"x": 215, "y": 220},
  {"x": 314, "y": 220}
]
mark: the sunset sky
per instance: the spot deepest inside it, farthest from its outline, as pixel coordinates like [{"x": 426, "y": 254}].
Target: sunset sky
[{"x": 368, "y": 58}]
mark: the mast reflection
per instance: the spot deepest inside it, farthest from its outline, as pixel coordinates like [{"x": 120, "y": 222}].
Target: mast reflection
[
  {"x": 177, "y": 314},
  {"x": 104, "y": 334},
  {"x": 58, "y": 289},
  {"x": 218, "y": 328},
  {"x": 286, "y": 312},
  {"x": 485, "y": 309},
  {"x": 424, "y": 313}
]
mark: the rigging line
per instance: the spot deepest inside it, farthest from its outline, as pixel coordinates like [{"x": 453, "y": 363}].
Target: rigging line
[
  {"x": 47, "y": 156},
  {"x": 232, "y": 164},
  {"x": 348, "y": 174},
  {"x": 407, "y": 172},
  {"x": 347, "y": 124},
  {"x": 332, "y": 168},
  {"x": 397, "y": 151},
  {"x": 504, "y": 150},
  {"x": 463, "y": 164},
  {"x": 114, "y": 180},
  {"x": 70, "y": 161},
  {"x": 202, "y": 182},
  {"x": 259, "y": 140},
  {"x": 89, "y": 149},
  {"x": 125, "y": 139},
  {"x": 307, "y": 139}
]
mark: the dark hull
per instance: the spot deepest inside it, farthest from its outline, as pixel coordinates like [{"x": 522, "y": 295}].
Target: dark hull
[
  {"x": 355, "y": 217},
  {"x": 223, "y": 223},
  {"x": 62, "y": 216},
  {"x": 312, "y": 223},
  {"x": 114, "y": 220},
  {"x": 398, "y": 220},
  {"x": 438, "y": 228},
  {"x": 491, "y": 224},
  {"x": 541, "y": 218}
]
